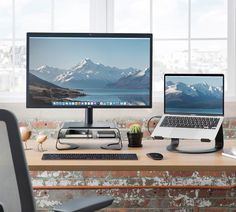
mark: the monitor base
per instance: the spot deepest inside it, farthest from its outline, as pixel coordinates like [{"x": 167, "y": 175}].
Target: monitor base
[{"x": 219, "y": 144}]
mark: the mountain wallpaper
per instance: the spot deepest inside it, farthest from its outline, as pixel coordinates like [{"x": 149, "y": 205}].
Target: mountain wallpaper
[
  {"x": 89, "y": 81},
  {"x": 198, "y": 97}
]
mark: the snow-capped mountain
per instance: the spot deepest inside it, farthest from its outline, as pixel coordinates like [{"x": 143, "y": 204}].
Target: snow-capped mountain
[
  {"x": 138, "y": 80},
  {"x": 205, "y": 89},
  {"x": 194, "y": 90},
  {"x": 197, "y": 95},
  {"x": 168, "y": 83},
  {"x": 88, "y": 70},
  {"x": 47, "y": 73},
  {"x": 181, "y": 88},
  {"x": 85, "y": 74}
]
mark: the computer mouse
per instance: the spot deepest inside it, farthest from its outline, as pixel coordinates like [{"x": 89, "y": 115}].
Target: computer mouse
[{"x": 155, "y": 155}]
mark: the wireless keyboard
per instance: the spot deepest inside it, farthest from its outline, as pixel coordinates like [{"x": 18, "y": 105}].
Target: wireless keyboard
[{"x": 128, "y": 156}]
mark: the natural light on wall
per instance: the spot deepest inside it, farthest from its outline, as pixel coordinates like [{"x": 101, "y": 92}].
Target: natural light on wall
[
  {"x": 189, "y": 35},
  {"x": 20, "y": 16}
]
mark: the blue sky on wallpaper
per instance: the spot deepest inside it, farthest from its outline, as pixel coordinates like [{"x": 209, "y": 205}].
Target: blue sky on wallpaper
[
  {"x": 214, "y": 81},
  {"x": 65, "y": 53}
]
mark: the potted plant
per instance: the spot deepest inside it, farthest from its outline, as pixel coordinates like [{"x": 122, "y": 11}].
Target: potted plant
[{"x": 135, "y": 136}]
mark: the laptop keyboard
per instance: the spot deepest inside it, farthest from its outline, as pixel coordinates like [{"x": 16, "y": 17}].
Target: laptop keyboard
[{"x": 190, "y": 122}]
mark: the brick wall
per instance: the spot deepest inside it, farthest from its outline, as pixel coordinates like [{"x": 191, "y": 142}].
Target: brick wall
[
  {"x": 184, "y": 199},
  {"x": 51, "y": 127},
  {"x": 141, "y": 199}
]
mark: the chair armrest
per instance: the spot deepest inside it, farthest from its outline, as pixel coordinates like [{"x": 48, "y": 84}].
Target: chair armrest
[{"x": 85, "y": 204}]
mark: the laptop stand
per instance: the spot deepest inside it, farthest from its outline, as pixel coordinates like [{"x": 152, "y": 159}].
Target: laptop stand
[{"x": 219, "y": 144}]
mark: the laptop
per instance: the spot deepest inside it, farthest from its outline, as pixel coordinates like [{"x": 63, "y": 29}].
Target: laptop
[{"x": 193, "y": 106}]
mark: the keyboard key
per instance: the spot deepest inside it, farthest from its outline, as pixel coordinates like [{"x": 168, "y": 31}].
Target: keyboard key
[{"x": 190, "y": 122}]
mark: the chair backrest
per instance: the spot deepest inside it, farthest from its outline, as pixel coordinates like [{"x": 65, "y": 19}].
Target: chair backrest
[{"x": 15, "y": 185}]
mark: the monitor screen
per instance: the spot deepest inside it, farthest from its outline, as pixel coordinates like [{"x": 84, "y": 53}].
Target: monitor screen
[
  {"x": 89, "y": 70},
  {"x": 194, "y": 94}
]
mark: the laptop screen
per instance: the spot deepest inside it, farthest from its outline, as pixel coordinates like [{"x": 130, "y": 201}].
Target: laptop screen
[{"x": 198, "y": 94}]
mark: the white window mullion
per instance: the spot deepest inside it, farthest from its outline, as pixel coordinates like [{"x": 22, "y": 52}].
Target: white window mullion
[
  {"x": 189, "y": 36},
  {"x": 110, "y": 15},
  {"x": 151, "y": 16},
  {"x": 13, "y": 44},
  {"x": 98, "y": 15},
  {"x": 231, "y": 49},
  {"x": 52, "y": 15}
]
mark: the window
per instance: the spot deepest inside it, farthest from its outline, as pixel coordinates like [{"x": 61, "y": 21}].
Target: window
[
  {"x": 132, "y": 16},
  {"x": 189, "y": 35},
  {"x": 20, "y": 16}
]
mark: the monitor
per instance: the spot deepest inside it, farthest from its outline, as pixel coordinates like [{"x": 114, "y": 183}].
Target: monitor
[{"x": 89, "y": 70}]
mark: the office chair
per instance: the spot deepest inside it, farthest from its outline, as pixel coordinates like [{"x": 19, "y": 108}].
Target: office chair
[{"x": 15, "y": 185}]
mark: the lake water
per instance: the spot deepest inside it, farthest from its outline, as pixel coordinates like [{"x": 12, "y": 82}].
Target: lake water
[
  {"x": 216, "y": 111},
  {"x": 131, "y": 96}
]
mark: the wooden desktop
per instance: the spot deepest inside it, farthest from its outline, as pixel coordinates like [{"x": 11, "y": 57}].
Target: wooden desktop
[{"x": 171, "y": 162}]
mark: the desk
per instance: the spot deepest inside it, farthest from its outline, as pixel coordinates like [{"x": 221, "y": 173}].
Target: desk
[
  {"x": 171, "y": 162},
  {"x": 144, "y": 184}
]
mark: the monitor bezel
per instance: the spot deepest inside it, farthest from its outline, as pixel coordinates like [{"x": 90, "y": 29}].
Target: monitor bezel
[
  {"x": 199, "y": 75},
  {"x": 106, "y": 35}
]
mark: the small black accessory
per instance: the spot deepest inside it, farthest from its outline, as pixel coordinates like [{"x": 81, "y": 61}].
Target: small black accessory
[{"x": 155, "y": 156}]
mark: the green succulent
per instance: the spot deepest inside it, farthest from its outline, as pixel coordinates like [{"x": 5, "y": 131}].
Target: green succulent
[{"x": 135, "y": 128}]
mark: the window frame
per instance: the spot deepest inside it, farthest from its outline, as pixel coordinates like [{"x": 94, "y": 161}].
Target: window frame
[
  {"x": 105, "y": 23},
  {"x": 231, "y": 11}
]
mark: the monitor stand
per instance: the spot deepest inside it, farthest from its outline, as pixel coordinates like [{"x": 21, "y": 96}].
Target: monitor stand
[
  {"x": 95, "y": 125},
  {"x": 219, "y": 144},
  {"x": 88, "y": 124}
]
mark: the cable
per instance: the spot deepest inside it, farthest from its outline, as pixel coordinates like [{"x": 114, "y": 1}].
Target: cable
[{"x": 148, "y": 123}]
